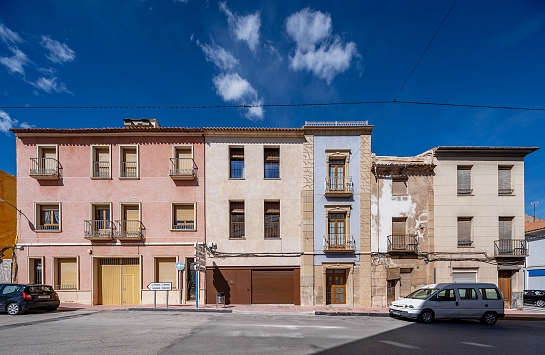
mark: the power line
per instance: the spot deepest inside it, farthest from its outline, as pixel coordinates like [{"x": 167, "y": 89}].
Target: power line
[
  {"x": 418, "y": 62},
  {"x": 273, "y": 105}
]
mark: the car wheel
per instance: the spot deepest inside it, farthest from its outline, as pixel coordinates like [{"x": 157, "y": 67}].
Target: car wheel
[
  {"x": 540, "y": 303},
  {"x": 51, "y": 309},
  {"x": 426, "y": 316},
  {"x": 489, "y": 318},
  {"x": 13, "y": 309}
]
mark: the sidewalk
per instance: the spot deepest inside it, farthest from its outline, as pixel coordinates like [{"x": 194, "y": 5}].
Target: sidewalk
[{"x": 512, "y": 314}]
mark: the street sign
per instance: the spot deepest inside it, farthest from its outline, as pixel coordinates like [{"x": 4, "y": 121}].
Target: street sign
[
  {"x": 160, "y": 286},
  {"x": 180, "y": 265},
  {"x": 201, "y": 262}
]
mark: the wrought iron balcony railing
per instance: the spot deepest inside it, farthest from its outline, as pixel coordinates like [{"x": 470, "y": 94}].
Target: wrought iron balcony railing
[
  {"x": 510, "y": 248},
  {"x": 98, "y": 229},
  {"x": 128, "y": 230},
  {"x": 183, "y": 169},
  {"x": 403, "y": 243},
  {"x": 339, "y": 185},
  {"x": 101, "y": 169},
  {"x": 339, "y": 243},
  {"x": 44, "y": 168},
  {"x": 129, "y": 169},
  {"x": 465, "y": 243}
]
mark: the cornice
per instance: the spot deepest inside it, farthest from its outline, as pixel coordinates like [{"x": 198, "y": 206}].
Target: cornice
[{"x": 338, "y": 131}]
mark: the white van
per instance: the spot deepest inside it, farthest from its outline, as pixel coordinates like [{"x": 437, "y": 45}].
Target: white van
[{"x": 453, "y": 300}]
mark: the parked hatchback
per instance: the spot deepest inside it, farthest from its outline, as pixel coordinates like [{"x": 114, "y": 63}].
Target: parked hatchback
[
  {"x": 536, "y": 297},
  {"x": 16, "y": 298}
]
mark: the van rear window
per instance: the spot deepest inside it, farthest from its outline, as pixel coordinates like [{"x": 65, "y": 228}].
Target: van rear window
[{"x": 490, "y": 294}]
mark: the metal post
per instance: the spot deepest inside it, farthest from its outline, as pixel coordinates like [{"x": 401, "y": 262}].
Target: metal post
[
  {"x": 180, "y": 273},
  {"x": 197, "y": 272},
  {"x": 154, "y": 298},
  {"x": 167, "y": 299}
]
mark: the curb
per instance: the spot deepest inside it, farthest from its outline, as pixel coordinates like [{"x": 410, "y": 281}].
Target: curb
[
  {"x": 359, "y": 314},
  {"x": 197, "y": 310}
]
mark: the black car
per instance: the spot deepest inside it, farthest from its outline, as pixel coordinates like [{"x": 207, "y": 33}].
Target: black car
[
  {"x": 536, "y": 297},
  {"x": 17, "y": 298}
]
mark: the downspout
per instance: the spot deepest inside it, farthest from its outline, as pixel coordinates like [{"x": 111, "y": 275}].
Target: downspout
[{"x": 378, "y": 213}]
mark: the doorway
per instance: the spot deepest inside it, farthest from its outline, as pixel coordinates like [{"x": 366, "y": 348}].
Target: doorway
[
  {"x": 336, "y": 286},
  {"x": 504, "y": 284}
]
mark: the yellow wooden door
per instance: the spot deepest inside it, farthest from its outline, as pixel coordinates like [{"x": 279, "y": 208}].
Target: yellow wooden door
[
  {"x": 110, "y": 284},
  {"x": 130, "y": 292}
]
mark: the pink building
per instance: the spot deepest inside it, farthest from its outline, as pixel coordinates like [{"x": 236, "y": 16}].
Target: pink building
[{"x": 111, "y": 210}]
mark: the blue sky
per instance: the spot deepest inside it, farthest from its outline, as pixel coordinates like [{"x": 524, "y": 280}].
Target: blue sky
[{"x": 208, "y": 53}]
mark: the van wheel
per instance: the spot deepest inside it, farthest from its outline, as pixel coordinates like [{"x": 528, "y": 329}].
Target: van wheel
[
  {"x": 426, "y": 316},
  {"x": 489, "y": 318},
  {"x": 540, "y": 303}
]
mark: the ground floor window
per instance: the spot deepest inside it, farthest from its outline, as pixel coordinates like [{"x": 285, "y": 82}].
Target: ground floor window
[{"x": 66, "y": 274}]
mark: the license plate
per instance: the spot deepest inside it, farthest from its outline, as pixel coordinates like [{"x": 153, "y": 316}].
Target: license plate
[{"x": 44, "y": 297}]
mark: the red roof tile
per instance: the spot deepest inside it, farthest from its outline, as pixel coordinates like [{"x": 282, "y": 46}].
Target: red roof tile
[{"x": 534, "y": 226}]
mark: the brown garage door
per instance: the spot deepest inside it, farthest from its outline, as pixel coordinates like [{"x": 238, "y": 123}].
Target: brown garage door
[{"x": 273, "y": 286}]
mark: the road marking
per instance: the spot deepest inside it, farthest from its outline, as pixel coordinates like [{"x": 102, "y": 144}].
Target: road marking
[
  {"x": 286, "y": 326},
  {"x": 401, "y": 345},
  {"x": 250, "y": 334},
  {"x": 479, "y": 345}
]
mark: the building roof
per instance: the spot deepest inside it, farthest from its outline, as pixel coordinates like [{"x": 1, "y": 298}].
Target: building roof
[
  {"x": 534, "y": 226},
  {"x": 487, "y": 151}
]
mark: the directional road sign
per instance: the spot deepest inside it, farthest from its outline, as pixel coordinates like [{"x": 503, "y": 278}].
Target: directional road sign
[
  {"x": 160, "y": 286},
  {"x": 180, "y": 265}
]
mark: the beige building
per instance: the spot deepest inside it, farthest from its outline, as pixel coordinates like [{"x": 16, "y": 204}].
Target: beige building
[
  {"x": 479, "y": 217},
  {"x": 253, "y": 214},
  {"x": 401, "y": 226}
]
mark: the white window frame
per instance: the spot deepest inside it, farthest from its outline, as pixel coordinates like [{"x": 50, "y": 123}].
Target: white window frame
[
  {"x": 37, "y": 216},
  {"x": 120, "y": 158},
  {"x": 182, "y": 146},
  {"x": 93, "y": 152},
  {"x": 39, "y": 148},
  {"x": 173, "y": 210}
]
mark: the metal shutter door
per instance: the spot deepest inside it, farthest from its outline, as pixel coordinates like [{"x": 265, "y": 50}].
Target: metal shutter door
[
  {"x": 464, "y": 277},
  {"x": 272, "y": 286},
  {"x": 405, "y": 284}
]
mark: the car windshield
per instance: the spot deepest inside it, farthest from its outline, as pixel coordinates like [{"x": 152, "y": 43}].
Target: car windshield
[{"x": 422, "y": 293}]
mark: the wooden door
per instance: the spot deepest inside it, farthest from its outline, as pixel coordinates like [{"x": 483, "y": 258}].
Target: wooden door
[
  {"x": 391, "y": 291},
  {"x": 504, "y": 284},
  {"x": 336, "y": 286},
  {"x": 272, "y": 287}
]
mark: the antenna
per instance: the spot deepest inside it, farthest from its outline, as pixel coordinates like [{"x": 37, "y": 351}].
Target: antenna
[{"x": 535, "y": 205}]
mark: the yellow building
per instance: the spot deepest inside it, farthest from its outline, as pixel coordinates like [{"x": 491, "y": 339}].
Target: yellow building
[{"x": 8, "y": 216}]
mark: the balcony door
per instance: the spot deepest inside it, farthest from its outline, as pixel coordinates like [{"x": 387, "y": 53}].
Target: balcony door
[
  {"x": 131, "y": 220},
  {"x": 336, "y": 175},
  {"x": 336, "y": 230}
]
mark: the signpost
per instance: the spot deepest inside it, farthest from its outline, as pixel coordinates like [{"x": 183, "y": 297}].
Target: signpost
[
  {"x": 180, "y": 266},
  {"x": 159, "y": 286},
  {"x": 200, "y": 264}
]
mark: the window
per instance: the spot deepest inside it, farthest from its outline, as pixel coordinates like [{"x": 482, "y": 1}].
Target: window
[
  {"x": 338, "y": 181},
  {"x": 272, "y": 219},
  {"x": 165, "y": 270},
  {"x": 336, "y": 229},
  {"x": 46, "y": 164},
  {"x": 464, "y": 232},
  {"x": 399, "y": 240},
  {"x": 129, "y": 162},
  {"x": 446, "y": 295},
  {"x": 271, "y": 163},
  {"x": 467, "y": 294},
  {"x": 236, "y": 161},
  {"x": 237, "y": 219},
  {"x": 505, "y": 228},
  {"x": 489, "y": 294},
  {"x": 48, "y": 217},
  {"x": 130, "y": 225},
  {"x": 100, "y": 224},
  {"x": 504, "y": 180},
  {"x": 336, "y": 175},
  {"x": 464, "y": 180},
  {"x": 399, "y": 226},
  {"x": 66, "y": 274},
  {"x": 35, "y": 269},
  {"x": 100, "y": 162},
  {"x": 399, "y": 186},
  {"x": 183, "y": 216}
]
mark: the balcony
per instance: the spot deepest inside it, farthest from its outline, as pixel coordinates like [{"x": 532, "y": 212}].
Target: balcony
[
  {"x": 340, "y": 243},
  {"x": 403, "y": 243},
  {"x": 101, "y": 169},
  {"x": 128, "y": 230},
  {"x": 505, "y": 191},
  {"x": 183, "y": 169},
  {"x": 44, "y": 168},
  {"x": 514, "y": 248},
  {"x": 339, "y": 186},
  {"x": 129, "y": 169},
  {"x": 464, "y": 191},
  {"x": 98, "y": 230}
]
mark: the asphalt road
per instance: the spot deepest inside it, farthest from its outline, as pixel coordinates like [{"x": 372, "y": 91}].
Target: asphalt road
[{"x": 126, "y": 332}]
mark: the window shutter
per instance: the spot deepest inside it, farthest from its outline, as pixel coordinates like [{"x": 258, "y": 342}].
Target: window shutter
[
  {"x": 237, "y": 153},
  {"x": 166, "y": 270},
  {"x": 67, "y": 274},
  {"x": 464, "y": 179},
  {"x": 131, "y": 213},
  {"x": 504, "y": 178},
  {"x": 398, "y": 226},
  {"x": 129, "y": 155},
  {"x": 505, "y": 224},
  {"x": 184, "y": 213},
  {"x": 272, "y": 207},
  {"x": 49, "y": 153},
  {"x": 272, "y": 154},
  {"x": 399, "y": 186},
  {"x": 464, "y": 229},
  {"x": 102, "y": 155},
  {"x": 183, "y": 153},
  {"x": 237, "y": 207}
]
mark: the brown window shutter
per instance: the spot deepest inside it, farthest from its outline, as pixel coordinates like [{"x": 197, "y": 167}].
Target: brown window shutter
[
  {"x": 464, "y": 229},
  {"x": 236, "y": 153},
  {"x": 272, "y": 154},
  {"x": 399, "y": 186},
  {"x": 505, "y": 227},
  {"x": 464, "y": 178},
  {"x": 504, "y": 178},
  {"x": 399, "y": 226}
]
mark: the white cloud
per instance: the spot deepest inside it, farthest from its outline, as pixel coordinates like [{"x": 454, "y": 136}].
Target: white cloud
[
  {"x": 49, "y": 85},
  {"x": 15, "y": 63},
  {"x": 8, "y": 36},
  {"x": 6, "y": 122},
  {"x": 231, "y": 87},
  {"x": 244, "y": 28},
  {"x": 58, "y": 52},
  {"x": 218, "y": 55},
  {"x": 317, "y": 50}
]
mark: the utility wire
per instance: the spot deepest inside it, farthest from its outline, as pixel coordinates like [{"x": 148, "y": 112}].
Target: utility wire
[
  {"x": 272, "y": 105},
  {"x": 419, "y": 59}
]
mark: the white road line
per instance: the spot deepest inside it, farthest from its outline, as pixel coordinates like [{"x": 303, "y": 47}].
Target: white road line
[
  {"x": 401, "y": 345},
  {"x": 253, "y": 334},
  {"x": 285, "y": 326},
  {"x": 479, "y": 345}
]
